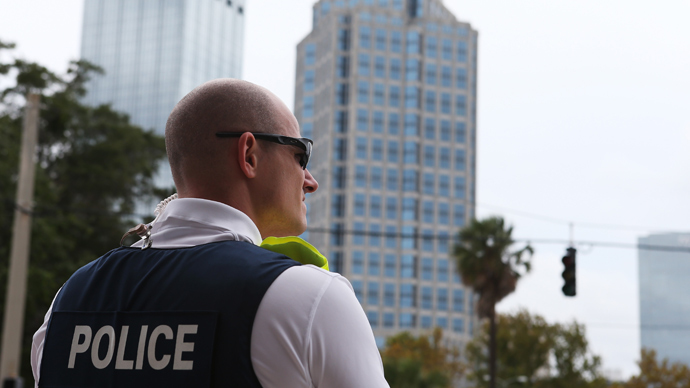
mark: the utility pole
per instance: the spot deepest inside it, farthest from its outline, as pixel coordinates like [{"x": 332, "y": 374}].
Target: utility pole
[{"x": 19, "y": 256}]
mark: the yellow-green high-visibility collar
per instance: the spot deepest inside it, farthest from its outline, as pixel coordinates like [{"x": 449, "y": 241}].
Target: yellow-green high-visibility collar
[{"x": 297, "y": 249}]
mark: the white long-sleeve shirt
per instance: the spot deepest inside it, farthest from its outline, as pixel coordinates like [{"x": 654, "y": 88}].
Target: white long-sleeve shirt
[{"x": 309, "y": 330}]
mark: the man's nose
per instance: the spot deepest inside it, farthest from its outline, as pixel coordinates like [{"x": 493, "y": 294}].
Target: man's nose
[{"x": 310, "y": 183}]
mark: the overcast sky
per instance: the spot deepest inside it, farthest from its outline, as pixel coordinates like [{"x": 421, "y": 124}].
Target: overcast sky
[{"x": 583, "y": 116}]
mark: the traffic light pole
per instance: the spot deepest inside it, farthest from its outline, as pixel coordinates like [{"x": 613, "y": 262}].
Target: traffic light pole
[{"x": 19, "y": 257}]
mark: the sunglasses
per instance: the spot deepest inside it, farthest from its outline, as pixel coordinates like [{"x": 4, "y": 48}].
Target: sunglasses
[{"x": 302, "y": 142}]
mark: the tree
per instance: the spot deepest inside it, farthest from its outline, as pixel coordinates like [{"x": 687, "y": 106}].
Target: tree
[
  {"x": 486, "y": 263},
  {"x": 420, "y": 362},
  {"x": 658, "y": 375},
  {"x": 93, "y": 166},
  {"x": 532, "y": 353}
]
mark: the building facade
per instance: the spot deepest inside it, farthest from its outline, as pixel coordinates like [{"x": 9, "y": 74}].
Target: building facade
[
  {"x": 665, "y": 296},
  {"x": 387, "y": 90},
  {"x": 154, "y": 52}
]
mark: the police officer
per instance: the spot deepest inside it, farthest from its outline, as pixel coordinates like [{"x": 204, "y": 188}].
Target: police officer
[{"x": 201, "y": 305}]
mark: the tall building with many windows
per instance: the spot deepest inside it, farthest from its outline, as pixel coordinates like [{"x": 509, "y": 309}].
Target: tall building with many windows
[
  {"x": 387, "y": 90},
  {"x": 156, "y": 51},
  {"x": 665, "y": 296}
]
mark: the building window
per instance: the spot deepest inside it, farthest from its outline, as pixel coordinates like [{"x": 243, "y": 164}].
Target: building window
[
  {"x": 442, "y": 299},
  {"x": 308, "y": 130},
  {"x": 460, "y": 160},
  {"x": 443, "y": 185},
  {"x": 408, "y": 267},
  {"x": 338, "y": 205},
  {"x": 446, "y": 77},
  {"x": 458, "y": 301},
  {"x": 343, "y": 67},
  {"x": 379, "y": 94},
  {"x": 342, "y": 94},
  {"x": 429, "y": 128},
  {"x": 358, "y": 262},
  {"x": 459, "y": 189},
  {"x": 412, "y": 71},
  {"x": 407, "y": 295},
  {"x": 373, "y": 293},
  {"x": 429, "y": 158},
  {"x": 375, "y": 177},
  {"x": 363, "y": 92},
  {"x": 391, "y": 208},
  {"x": 428, "y": 272},
  {"x": 460, "y": 132},
  {"x": 381, "y": 39},
  {"x": 411, "y": 124},
  {"x": 389, "y": 266},
  {"x": 444, "y": 157},
  {"x": 360, "y": 204},
  {"x": 388, "y": 320},
  {"x": 344, "y": 39},
  {"x": 374, "y": 264},
  {"x": 461, "y": 53},
  {"x": 339, "y": 149},
  {"x": 360, "y": 176},
  {"x": 359, "y": 233},
  {"x": 396, "y": 40},
  {"x": 428, "y": 240},
  {"x": 443, "y": 213},
  {"x": 375, "y": 206},
  {"x": 459, "y": 215},
  {"x": 427, "y": 298},
  {"x": 375, "y": 231},
  {"x": 409, "y": 237},
  {"x": 308, "y": 110},
  {"x": 335, "y": 261},
  {"x": 357, "y": 286},
  {"x": 361, "y": 148},
  {"x": 309, "y": 80},
  {"x": 391, "y": 237},
  {"x": 411, "y": 152},
  {"x": 461, "y": 78},
  {"x": 376, "y": 149},
  {"x": 443, "y": 242},
  {"x": 431, "y": 47},
  {"x": 426, "y": 322},
  {"x": 442, "y": 270},
  {"x": 393, "y": 123},
  {"x": 362, "y": 120},
  {"x": 380, "y": 67},
  {"x": 410, "y": 180},
  {"x": 364, "y": 37},
  {"x": 310, "y": 54},
  {"x": 445, "y": 130},
  {"x": 340, "y": 122},
  {"x": 395, "y": 68},
  {"x": 412, "y": 44},
  {"x": 458, "y": 325},
  {"x": 378, "y": 121},
  {"x": 363, "y": 65},
  {"x": 430, "y": 101},
  {"x": 339, "y": 174},
  {"x": 445, "y": 103},
  {"x": 337, "y": 234},
  {"x": 442, "y": 322},
  {"x": 393, "y": 151},
  {"x": 412, "y": 97},
  {"x": 409, "y": 209},
  {"x": 428, "y": 212},
  {"x": 428, "y": 184},
  {"x": 447, "y": 49},
  {"x": 392, "y": 179},
  {"x": 430, "y": 74},
  {"x": 394, "y": 96}
]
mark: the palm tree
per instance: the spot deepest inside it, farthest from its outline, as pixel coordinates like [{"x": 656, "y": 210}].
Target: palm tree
[{"x": 486, "y": 263}]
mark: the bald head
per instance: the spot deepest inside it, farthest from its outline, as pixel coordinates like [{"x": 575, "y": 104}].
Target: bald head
[{"x": 194, "y": 152}]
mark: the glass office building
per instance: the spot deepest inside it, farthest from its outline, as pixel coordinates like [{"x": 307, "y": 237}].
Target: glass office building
[
  {"x": 665, "y": 296},
  {"x": 156, "y": 51},
  {"x": 387, "y": 90}
]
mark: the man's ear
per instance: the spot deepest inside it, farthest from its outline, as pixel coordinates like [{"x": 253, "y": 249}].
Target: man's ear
[{"x": 247, "y": 149}]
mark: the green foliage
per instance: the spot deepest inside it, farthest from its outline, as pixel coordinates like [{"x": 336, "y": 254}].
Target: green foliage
[
  {"x": 657, "y": 374},
  {"x": 532, "y": 353},
  {"x": 420, "y": 362},
  {"x": 93, "y": 166}
]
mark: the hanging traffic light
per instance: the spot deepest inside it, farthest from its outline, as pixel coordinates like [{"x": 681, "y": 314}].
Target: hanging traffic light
[{"x": 569, "y": 272}]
